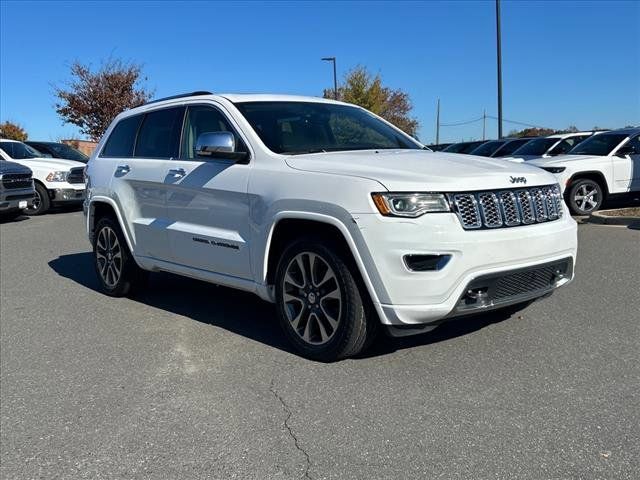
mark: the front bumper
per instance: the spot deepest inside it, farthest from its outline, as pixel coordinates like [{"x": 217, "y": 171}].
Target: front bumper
[
  {"x": 67, "y": 195},
  {"x": 408, "y": 297},
  {"x": 13, "y": 199}
]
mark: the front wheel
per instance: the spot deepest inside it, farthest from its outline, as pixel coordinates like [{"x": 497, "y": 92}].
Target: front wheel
[
  {"x": 321, "y": 307},
  {"x": 41, "y": 202},
  {"x": 117, "y": 271},
  {"x": 585, "y": 196}
]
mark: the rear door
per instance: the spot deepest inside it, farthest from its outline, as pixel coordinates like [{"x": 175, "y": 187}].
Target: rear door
[
  {"x": 139, "y": 151},
  {"x": 207, "y": 200}
]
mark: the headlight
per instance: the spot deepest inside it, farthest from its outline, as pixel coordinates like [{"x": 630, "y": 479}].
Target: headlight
[
  {"x": 57, "y": 177},
  {"x": 554, "y": 169},
  {"x": 410, "y": 204}
]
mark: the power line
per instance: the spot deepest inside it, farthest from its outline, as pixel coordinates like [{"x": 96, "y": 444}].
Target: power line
[{"x": 455, "y": 124}]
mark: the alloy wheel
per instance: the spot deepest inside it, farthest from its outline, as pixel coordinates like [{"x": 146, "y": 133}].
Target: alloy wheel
[
  {"x": 109, "y": 256},
  {"x": 587, "y": 197},
  {"x": 312, "y": 298}
]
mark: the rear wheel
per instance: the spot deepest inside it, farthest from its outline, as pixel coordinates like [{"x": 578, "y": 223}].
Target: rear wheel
[
  {"x": 117, "y": 271},
  {"x": 41, "y": 202},
  {"x": 321, "y": 308},
  {"x": 585, "y": 196}
]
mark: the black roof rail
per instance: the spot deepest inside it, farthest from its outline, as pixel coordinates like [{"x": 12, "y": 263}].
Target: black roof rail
[{"x": 191, "y": 94}]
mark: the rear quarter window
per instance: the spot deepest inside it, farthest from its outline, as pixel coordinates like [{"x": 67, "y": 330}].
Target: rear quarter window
[{"x": 122, "y": 139}]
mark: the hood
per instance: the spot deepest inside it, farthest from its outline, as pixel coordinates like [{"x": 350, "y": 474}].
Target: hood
[
  {"x": 422, "y": 170},
  {"x": 57, "y": 164},
  {"x": 563, "y": 160},
  {"x": 12, "y": 167}
]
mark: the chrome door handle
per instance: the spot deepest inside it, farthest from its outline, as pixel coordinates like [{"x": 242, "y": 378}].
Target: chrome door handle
[
  {"x": 177, "y": 172},
  {"x": 122, "y": 170}
]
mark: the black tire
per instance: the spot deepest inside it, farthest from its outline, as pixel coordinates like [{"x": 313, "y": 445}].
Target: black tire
[
  {"x": 355, "y": 326},
  {"x": 41, "y": 202},
  {"x": 109, "y": 260},
  {"x": 581, "y": 204}
]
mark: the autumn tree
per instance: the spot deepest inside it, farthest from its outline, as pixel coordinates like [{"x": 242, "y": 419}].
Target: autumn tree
[
  {"x": 532, "y": 132},
  {"x": 362, "y": 88},
  {"x": 92, "y": 99},
  {"x": 12, "y": 131}
]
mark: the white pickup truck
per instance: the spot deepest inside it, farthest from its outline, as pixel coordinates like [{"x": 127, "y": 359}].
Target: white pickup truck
[
  {"x": 332, "y": 213},
  {"x": 57, "y": 181}
]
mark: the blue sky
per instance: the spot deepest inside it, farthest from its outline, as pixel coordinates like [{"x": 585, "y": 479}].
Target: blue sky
[{"x": 565, "y": 63}]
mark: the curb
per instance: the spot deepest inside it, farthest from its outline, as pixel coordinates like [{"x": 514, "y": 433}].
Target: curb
[{"x": 602, "y": 218}]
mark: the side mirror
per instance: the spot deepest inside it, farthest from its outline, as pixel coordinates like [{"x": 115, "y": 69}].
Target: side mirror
[{"x": 218, "y": 145}]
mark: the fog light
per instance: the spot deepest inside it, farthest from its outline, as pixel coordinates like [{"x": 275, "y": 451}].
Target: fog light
[{"x": 426, "y": 263}]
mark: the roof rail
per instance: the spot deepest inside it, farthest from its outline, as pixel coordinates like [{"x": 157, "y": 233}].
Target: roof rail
[{"x": 191, "y": 94}]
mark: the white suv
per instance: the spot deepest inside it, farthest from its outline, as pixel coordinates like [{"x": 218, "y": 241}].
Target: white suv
[
  {"x": 602, "y": 165},
  {"x": 551, "y": 146},
  {"x": 57, "y": 181},
  {"x": 325, "y": 209}
]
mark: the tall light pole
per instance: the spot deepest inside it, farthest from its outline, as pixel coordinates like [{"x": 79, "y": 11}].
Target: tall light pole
[
  {"x": 335, "y": 78},
  {"x": 499, "y": 52},
  {"x": 438, "y": 123}
]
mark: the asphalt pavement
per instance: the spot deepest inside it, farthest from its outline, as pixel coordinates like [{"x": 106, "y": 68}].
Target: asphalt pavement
[{"x": 191, "y": 380}]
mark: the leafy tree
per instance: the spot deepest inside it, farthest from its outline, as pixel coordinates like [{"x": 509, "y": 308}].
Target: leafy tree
[
  {"x": 362, "y": 88},
  {"x": 12, "y": 131},
  {"x": 532, "y": 132},
  {"x": 92, "y": 99}
]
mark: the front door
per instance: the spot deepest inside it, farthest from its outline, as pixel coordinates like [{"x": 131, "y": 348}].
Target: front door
[
  {"x": 207, "y": 201},
  {"x": 626, "y": 166}
]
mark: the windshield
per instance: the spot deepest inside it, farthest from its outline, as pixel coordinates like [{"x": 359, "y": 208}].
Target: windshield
[
  {"x": 488, "y": 148},
  {"x": 538, "y": 147},
  {"x": 511, "y": 147},
  {"x": 601, "y": 144},
  {"x": 60, "y": 150},
  {"x": 19, "y": 151},
  {"x": 308, "y": 127}
]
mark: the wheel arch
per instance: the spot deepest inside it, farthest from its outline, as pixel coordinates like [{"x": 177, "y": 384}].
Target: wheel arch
[
  {"x": 101, "y": 206},
  {"x": 288, "y": 225},
  {"x": 594, "y": 175}
]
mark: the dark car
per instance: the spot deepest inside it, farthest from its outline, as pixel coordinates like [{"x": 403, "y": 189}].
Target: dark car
[
  {"x": 16, "y": 188},
  {"x": 58, "y": 150},
  {"x": 439, "y": 147},
  {"x": 500, "y": 148},
  {"x": 464, "y": 147}
]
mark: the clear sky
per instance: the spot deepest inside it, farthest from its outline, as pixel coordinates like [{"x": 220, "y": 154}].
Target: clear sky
[{"x": 565, "y": 63}]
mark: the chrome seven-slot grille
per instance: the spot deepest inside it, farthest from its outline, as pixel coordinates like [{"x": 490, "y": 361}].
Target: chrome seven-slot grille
[{"x": 508, "y": 208}]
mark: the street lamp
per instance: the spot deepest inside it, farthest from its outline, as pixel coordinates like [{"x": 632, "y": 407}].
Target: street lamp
[
  {"x": 499, "y": 54},
  {"x": 335, "y": 78}
]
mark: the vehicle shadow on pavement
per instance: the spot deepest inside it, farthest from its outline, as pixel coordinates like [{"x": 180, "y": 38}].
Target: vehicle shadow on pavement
[{"x": 243, "y": 313}]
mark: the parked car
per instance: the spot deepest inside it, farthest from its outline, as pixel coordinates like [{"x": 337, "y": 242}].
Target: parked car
[
  {"x": 602, "y": 165},
  {"x": 500, "y": 148},
  {"x": 58, "y": 150},
  {"x": 56, "y": 181},
  {"x": 16, "y": 188},
  {"x": 464, "y": 147},
  {"x": 438, "y": 147},
  {"x": 327, "y": 210},
  {"x": 550, "y": 146}
]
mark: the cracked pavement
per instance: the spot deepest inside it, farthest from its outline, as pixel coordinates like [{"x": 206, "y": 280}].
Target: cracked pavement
[{"x": 190, "y": 380}]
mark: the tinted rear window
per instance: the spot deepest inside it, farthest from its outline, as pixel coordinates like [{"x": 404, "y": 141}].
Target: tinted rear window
[
  {"x": 159, "y": 135},
  {"x": 122, "y": 138}
]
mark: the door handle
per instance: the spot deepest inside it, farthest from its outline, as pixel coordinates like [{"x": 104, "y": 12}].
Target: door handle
[
  {"x": 122, "y": 170},
  {"x": 177, "y": 172}
]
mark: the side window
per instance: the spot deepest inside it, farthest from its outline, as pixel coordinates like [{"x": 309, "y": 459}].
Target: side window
[
  {"x": 202, "y": 119},
  {"x": 122, "y": 138},
  {"x": 564, "y": 146},
  {"x": 159, "y": 135}
]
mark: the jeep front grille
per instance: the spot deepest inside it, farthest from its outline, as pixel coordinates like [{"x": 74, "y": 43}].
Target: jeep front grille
[{"x": 508, "y": 208}]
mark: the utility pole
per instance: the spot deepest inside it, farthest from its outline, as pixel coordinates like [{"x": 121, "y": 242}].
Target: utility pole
[
  {"x": 438, "y": 123},
  {"x": 484, "y": 124},
  {"x": 335, "y": 77},
  {"x": 499, "y": 53}
]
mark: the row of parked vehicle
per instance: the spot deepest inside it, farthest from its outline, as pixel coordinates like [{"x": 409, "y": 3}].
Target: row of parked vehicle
[
  {"x": 38, "y": 175},
  {"x": 589, "y": 165}
]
